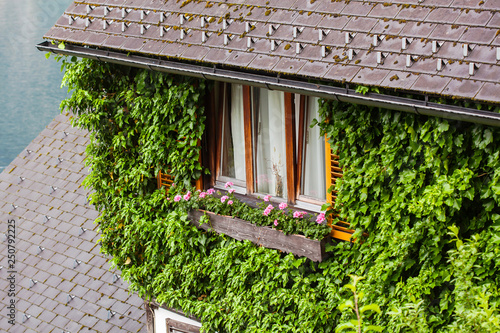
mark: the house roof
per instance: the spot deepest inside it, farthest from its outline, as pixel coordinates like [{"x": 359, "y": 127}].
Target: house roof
[
  {"x": 448, "y": 47},
  {"x": 62, "y": 281}
]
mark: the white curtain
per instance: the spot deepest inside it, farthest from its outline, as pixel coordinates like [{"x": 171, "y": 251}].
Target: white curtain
[
  {"x": 269, "y": 135},
  {"x": 233, "y": 140},
  {"x": 238, "y": 131},
  {"x": 314, "y": 173}
]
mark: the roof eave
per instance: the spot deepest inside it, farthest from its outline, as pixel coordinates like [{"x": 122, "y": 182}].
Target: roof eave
[{"x": 277, "y": 83}]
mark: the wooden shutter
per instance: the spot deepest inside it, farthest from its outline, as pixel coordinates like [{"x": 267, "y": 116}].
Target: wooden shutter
[
  {"x": 340, "y": 230},
  {"x": 164, "y": 179}
]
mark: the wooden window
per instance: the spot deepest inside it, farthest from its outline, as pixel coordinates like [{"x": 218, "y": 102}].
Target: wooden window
[
  {"x": 174, "y": 326},
  {"x": 266, "y": 146}
]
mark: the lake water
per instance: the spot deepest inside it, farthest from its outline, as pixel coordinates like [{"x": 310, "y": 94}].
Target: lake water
[{"x": 30, "y": 91}]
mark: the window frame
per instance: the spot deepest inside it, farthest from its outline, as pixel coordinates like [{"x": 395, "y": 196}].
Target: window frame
[{"x": 294, "y": 147}]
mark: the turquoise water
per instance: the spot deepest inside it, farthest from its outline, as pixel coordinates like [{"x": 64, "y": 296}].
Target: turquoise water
[{"x": 30, "y": 91}]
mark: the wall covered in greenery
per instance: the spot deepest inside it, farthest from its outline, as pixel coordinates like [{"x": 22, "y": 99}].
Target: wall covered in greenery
[{"x": 426, "y": 190}]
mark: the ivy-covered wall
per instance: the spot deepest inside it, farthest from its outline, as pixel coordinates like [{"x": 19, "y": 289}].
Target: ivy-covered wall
[{"x": 426, "y": 191}]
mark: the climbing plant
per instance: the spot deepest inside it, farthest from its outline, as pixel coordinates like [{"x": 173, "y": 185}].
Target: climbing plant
[
  {"x": 407, "y": 180},
  {"x": 422, "y": 193}
]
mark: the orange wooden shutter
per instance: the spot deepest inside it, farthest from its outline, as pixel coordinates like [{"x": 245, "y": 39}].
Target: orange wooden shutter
[
  {"x": 340, "y": 230},
  {"x": 164, "y": 179}
]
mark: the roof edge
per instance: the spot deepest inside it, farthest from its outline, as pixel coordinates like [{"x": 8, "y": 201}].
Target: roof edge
[{"x": 277, "y": 83}]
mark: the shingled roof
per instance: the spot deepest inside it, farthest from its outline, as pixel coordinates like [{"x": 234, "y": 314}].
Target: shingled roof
[
  {"x": 62, "y": 281},
  {"x": 448, "y": 47}
]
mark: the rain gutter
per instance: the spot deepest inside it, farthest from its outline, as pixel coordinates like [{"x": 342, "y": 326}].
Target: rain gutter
[{"x": 276, "y": 83}]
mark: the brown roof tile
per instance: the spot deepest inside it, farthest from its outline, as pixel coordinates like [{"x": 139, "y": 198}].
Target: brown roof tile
[
  {"x": 392, "y": 28},
  {"x": 284, "y": 16},
  {"x": 467, "y": 3},
  {"x": 479, "y": 35},
  {"x": 289, "y": 66},
  {"x": 417, "y": 13},
  {"x": 114, "y": 2},
  {"x": 341, "y": 72},
  {"x": 489, "y": 92},
  {"x": 263, "y": 61},
  {"x": 370, "y": 76},
  {"x": 330, "y": 7},
  {"x": 490, "y": 4},
  {"x": 443, "y": 3},
  {"x": 474, "y": 18},
  {"x": 361, "y": 24},
  {"x": 486, "y": 73},
  {"x": 443, "y": 15},
  {"x": 385, "y": 10},
  {"x": 396, "y": 79},
  {"x": 433, "y": 84},
  {"x": 356, "y": 8},
  {"x": 468, "y": 88},
  {"x": 315, "y": 69},
  {"x": 153, "y": 47},
  {"x": 217, "y": 56},
  {"x": 333, "y": 22},
  {"x": 305, "y": 5},
  {"x": 240, "y": 59},
  {"x": 114, "y": 42},
  {"x": 417, "y": 29},
  {"x": 308, "y": 19}
]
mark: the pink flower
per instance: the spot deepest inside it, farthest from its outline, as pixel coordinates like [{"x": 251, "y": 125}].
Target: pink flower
[
  {"x": 228, "y": 184},
  {"x": 177, "y": 198},
  {"x": 224, "y": 198},
  {"x": 231, "y": 190},
  {"x": 268, "y": 210},
  {"x": 320, "y": 218},
  {"x": 283, "y": 205},
  {"x": 299, "y": 214},
  {"x": 203, "y": 194},
  {"x": 210, "y": 191},
  {"x": 187, "y": 196},
  {"x": 230, "y": 202},
  {"x": 276, "y": 223},
  {"x": 267, "y": 197}
]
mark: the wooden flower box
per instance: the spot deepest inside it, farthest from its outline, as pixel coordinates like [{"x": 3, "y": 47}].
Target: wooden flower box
[{"x": 263, "y": 236}]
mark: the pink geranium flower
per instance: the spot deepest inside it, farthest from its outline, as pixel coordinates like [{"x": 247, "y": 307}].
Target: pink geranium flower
[
  {"x": 299, "y": 214},
  {"x": 210, "y": 191},
  {"x": 224, "y": 198},
  {"x": 187, "y": 196},
  {"x": 283, "y": 205},
  {"x": 231, "y": 190},
  {"x": 228, "y": 184},
  {"x": 230, "y": 202},
  {"x": 268, "y": 210},
  {"x": 276, "y": 223},
  {"x": 267, "y": 198},
  {"x": 320, "y": 218},
  {"x": 203, "y": 194},
  {"x": 177, "y": 198}
]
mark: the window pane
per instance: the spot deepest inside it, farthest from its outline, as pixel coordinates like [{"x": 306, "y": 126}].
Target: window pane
[
  {"x": 268, "y": 117},
  {"x": 314, "y": 173},
  {"x": 233, "y": 138}
]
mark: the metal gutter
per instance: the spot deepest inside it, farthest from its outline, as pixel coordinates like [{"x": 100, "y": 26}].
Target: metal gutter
[{"x": 277, "y": 83}]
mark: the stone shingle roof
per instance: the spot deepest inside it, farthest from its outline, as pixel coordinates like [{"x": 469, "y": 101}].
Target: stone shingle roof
[
  {"x": 449, "y": 47},
  {"x": 63, "y": 282}
]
